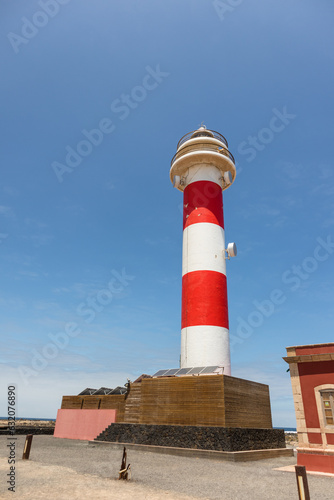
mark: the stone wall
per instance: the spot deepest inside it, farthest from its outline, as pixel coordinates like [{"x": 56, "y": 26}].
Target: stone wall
[
  {"x": 195, "y": 437},
  {"x": 4, "y": 430}
]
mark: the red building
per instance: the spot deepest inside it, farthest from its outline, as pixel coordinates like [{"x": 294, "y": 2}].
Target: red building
[{"x": 312, "y": 379}]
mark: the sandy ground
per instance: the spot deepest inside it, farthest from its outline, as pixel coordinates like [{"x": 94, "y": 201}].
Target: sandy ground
[
  {"x": 66, "y": 469},
  {"x": 36, "y": 481}
]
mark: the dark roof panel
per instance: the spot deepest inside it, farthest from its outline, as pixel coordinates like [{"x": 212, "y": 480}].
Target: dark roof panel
[
  {"x": 87, "y": 392},
  {"x": 118, "y": 390},
  {"x": 103, "y": 391}
]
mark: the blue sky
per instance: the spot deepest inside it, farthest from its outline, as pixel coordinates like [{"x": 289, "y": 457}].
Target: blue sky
[{"x": 144, "y": 74}]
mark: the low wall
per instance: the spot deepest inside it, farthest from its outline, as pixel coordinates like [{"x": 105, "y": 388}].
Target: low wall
[
  {"x": 25, "y": 429},
  {"x": 195, "y": 437},
  {"x": 316, "y": 460},
  {"x": 82, "y": 424}
]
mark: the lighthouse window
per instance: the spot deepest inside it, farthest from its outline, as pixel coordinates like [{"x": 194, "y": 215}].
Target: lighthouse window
[{"x": 328, "y": 406}]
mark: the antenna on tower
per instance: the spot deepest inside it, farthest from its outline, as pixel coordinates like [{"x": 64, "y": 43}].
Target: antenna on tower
[{"x": 202, "y": 125}]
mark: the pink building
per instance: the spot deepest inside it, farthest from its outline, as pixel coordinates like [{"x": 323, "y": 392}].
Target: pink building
[{"x": 312, "y": 379}]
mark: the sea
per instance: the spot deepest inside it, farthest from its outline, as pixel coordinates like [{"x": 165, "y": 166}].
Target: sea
[{"x": 29, "y": 418}]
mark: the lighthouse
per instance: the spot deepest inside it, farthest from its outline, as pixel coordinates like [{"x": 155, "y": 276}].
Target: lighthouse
[
  {"x": 203, "y": 168},
  {"x": 200, "y": 398}
]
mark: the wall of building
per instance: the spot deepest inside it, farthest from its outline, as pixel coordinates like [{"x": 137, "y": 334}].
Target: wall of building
[
  {"x": 247, "y": 404},
  {"x": 183, "y": 401},
  {"x": 312, "y": 375},
  {"x": 312, "y": 371},
  {"x": 111, "y": 402},
  {"x": 213, "y": 400},
  {"x": 314, "y": 349},
  {"x": 82, "y": 424}
]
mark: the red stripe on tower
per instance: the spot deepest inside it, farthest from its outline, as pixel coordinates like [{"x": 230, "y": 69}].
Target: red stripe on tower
[
  {"x": 203, "y": 202},
  {"x": 204, "y": 299}
]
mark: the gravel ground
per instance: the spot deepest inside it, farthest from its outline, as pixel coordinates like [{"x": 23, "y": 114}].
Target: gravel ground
[{"x": 63, "y": 469}]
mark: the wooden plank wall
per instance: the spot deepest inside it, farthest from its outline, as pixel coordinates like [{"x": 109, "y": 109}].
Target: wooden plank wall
[
  {"x": 133, "y": 404},
  {"x": 91, "y": 402},
  {"x": 71, "y": 402},
  {"x": 247, "y": 404},
  {"x": 108, "y": 402},
  {"x": 183, "y": 401},
  {"x": 114, "y": 402},
  {"x": 213, "y": 400}
]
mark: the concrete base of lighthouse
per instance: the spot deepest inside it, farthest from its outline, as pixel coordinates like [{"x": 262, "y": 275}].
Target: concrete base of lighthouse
[
  {"x": 217, "y": 443},
  {"x": 207, "y": 412}
]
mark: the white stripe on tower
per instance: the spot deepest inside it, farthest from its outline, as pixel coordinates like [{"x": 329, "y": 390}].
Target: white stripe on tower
[{"x": 202, "y": 248}]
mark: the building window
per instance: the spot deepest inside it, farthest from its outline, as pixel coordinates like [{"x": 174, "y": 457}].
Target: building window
[{"x": 328, "y": 406}]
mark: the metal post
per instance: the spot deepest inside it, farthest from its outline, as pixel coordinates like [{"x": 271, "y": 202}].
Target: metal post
[
  {"x": 27, "y": 446},
  {"x": 302, "y": 484}
]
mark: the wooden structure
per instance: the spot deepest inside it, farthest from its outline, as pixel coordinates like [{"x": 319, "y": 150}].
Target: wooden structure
[
  {"x": 312, "y": 380},
  {"x": 111, "y": 402},
  {"x": 210, "y": 400}
]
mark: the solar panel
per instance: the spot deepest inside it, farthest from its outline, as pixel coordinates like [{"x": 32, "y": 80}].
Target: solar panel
[
  {"x": 87, "y": 392},
  {"x": 183, "y": 371},
  {"x": 159, "y": 373},
  {"x": 196, "y": 370},
  {"x": 103, "y": 391},
  {"x": 209, "y": 369},
  {"x": 171, "y": 372},
  {"x": 118, "y": 390}
]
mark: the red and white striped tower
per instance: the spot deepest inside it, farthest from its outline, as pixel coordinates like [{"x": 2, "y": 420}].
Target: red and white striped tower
[{"x": 202, "y": 168}]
